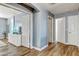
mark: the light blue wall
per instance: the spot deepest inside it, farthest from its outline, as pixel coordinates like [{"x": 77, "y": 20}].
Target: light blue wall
[
  {"x": 36, "y": 30},
  {"x": 44, "y": 29},
  {"x": 40, "y": 28},
  {"x": 3, "y": 24}
]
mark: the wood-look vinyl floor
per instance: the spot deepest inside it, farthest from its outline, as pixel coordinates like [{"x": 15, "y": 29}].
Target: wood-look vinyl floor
[
  {"x": 54, "y": 49},
  {"x": 11, "y": 50},
  {"x": 57, "y": 49}
]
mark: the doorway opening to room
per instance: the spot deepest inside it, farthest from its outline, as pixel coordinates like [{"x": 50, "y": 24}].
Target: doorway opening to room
[
  {"x": 15, "y": 30},
  {"x": 50, "y": 30},
  {"x": 60, "y": 30}
]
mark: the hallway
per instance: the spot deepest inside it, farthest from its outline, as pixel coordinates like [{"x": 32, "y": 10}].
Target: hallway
[{"x": 58, "y": 49}]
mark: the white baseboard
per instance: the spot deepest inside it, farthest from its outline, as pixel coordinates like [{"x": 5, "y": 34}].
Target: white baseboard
[
  {"x": 32, "y": 47},
  {"x": 40, "y": 49},
  {"x": 36, "y": 48}
]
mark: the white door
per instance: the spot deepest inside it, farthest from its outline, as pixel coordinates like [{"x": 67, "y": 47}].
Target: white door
[
  {"x": 73, "y": 29},
  {"x": 60, "y": 30},
  {"x": 25, "y": 30}
]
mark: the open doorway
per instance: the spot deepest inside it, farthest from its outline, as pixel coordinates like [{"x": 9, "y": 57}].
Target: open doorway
[
  {"x": 50, "y": 29},
  {"x": 60, "y": 30},
  {"x": 15, "y": 30},
  {"x": 18, "y": 26},
  {"x": 5, "y": 14},
  {"x": 6, "y": 18}
]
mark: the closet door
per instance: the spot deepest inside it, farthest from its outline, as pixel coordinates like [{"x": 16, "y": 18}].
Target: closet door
[
  {"x": 73, "y": 29},
  {"x": 25, "y": 30}
]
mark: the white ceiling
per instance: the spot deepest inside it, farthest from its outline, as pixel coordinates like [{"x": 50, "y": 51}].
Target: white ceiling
[
  {"x": 57, "y": 8},
  {"x": 6, "y": 12}
]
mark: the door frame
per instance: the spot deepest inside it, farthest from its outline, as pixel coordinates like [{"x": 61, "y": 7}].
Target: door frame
[
  {"x": 56, "y": 27},
  {"x": 52, "y": 25},
  {"x": 25, "y": 10}
]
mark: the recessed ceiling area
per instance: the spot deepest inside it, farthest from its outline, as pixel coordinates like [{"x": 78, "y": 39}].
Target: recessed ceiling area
[
  {"x": 58, "y": 8},
  {"x": 6, "y": 12}
]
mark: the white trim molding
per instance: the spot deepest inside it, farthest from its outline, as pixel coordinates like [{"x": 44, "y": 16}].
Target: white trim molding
[{"x": 40, "y": 49}]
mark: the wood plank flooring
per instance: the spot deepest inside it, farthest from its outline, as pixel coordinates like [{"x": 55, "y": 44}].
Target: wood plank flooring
[
  {"x": 58, "y": 49},
  {"x": 11, "y": 50},
  {"x": 54, "y": 49}
]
